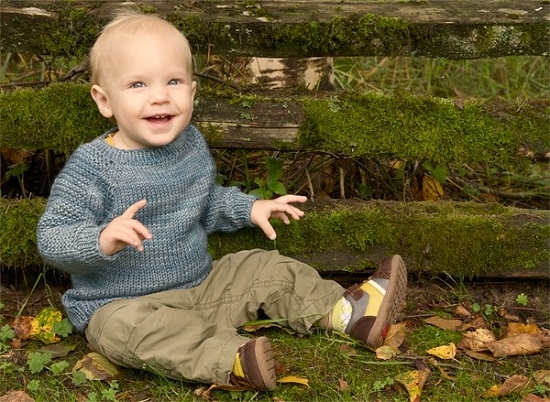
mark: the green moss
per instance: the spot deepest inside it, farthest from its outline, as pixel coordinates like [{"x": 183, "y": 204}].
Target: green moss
[
  {"x": 72, "y": 33},
  {"x": 462, "y": 239},
  {"x": 59, "y": 117},
  {"x": 18, "y": 234},
  {"x": 426, "y": 337},
  {"x": 419, "y": 128}
]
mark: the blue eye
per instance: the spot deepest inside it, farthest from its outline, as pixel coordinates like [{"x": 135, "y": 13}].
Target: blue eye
[
  {"x": 173, "y": 81},
  {"x": 138, "y": 85}
]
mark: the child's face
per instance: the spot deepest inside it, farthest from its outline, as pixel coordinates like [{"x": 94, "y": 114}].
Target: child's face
[{"x": 145, "y": 85}]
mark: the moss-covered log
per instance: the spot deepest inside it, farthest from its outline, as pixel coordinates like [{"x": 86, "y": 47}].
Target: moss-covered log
[
  {"x": 460, "y": 29},
  {"x": 62, "y": 116},
  {"x": 461, "y": 239}
]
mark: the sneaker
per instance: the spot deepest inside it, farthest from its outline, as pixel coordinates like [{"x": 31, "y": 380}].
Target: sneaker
[
  {"x": 254, "y": 366},
  {"x": 377, "y": 302}
]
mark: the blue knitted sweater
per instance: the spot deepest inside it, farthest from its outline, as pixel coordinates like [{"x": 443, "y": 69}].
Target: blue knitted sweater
[{"x": 184, "y": 205}]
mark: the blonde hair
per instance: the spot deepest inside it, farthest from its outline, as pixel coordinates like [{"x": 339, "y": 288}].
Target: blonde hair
[{"x": 131, "y": 22}]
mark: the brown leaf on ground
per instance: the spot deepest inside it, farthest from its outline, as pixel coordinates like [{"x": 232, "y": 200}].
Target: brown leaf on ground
[
  {"x": 396, "y": 335},
  {"x": 96, "y": 367},
  {"x": 386, "y": 352},
  {"x": 533, "y": 398},
  {"x": 542, "y": 377},
  {"x": 342, "y": 386},
  {"x": 348, "y": 350},
  {"x": 479, "y": 322},
  {"x": 462, "y": 311},
  {"x": 444, "y": 323},
  {"x": 414, "y": 382},
  {"x": 477, "y": 340},
  {"x": 479, "y": 355},
  {"x": 516, "y": 384},
  {"x": 516, "y": 328},
  {"x": 523, "y": 344},
  {"x": 16, "y": 396},
  {"x": 502, "y": 312},
  {"x": 25, "y": 327}
]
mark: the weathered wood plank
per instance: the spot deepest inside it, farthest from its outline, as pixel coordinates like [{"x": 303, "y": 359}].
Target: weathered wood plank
[
  {"x": 62, "y": 116},
  {"x": 459, "y": 29}
]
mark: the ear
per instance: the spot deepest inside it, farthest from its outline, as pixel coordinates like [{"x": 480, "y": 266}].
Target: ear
[
  {"x": 194, "y": 88},
  {"x": 102, "y": 101}
]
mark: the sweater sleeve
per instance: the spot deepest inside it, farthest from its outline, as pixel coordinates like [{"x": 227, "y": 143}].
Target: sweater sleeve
[
  {"x": 68, "y": 231},
  {"x": 228, "y": 209}
]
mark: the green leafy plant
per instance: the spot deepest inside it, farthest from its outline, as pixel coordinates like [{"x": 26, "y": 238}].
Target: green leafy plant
[
  {"x": 522, "y": 299},
  {"x": 487, "y": 310},
  {"x": 38, "y": 361},
  {"x": 379, "y": 385},
  {"x": 270, "y": 186}
]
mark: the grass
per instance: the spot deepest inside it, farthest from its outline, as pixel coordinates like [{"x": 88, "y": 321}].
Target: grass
[
  {"x": 505, "y": 78},
  {"x": 337, "y": 368}
]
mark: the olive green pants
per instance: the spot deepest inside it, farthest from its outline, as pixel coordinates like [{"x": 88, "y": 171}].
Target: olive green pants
[{"x": 191, "y": 334}]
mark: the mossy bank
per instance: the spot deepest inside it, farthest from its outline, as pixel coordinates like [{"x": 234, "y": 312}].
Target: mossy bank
[{"x": 461, "y": 239}]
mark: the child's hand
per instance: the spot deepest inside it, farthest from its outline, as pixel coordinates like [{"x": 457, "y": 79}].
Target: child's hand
[
  {"x": 124, "y": 231},
  {"x": 263, "y": 210}
]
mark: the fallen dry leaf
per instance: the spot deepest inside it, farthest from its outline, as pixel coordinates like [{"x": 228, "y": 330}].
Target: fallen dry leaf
[
  {"x": 414, "y": 382},
  {"x": 16, "y": 396},
  {"x": 478, "y": 322},
  {"x": 477, "y": 340},
  {"x": 426, "y": 189},
  {"x": 58, "y": 350},
  {"x": 533, "y": 398},
  {"x": 293, "y": 380},
  {"x": 257, "y": 325},
  {"x": 462, "y": 311},
  {"x": 25, "y": 327},
  {"x": 96, "y": 367},
  {"x": 479, "y": 355},
  {"x": 516, "y": 384},
  {"x": 447, "y": 352},
  {"x": 348, "y": 350},
  {"x": 39, "y": 327},
  {"x": 516, "y": 328},
  {"x": 542, "y": 377},
  {"x": 396, "y": 335},
  {"x": 523, "y": 344},
  {"x": 444, "y": 323},
  {"x": 342, "y": 386},
  {"x": 502, "y": 312},
  {"x": 386, "y": 352}
]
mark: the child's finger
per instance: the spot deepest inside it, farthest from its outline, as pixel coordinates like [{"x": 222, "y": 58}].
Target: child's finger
[{"x": 134, "y": 208}]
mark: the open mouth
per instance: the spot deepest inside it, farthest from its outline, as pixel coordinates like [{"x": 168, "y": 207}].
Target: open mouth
[{"x": 159, "y": 118}]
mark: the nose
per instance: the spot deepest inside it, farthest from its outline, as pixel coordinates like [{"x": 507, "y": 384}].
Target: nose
[{"x": 159, "y": 94}]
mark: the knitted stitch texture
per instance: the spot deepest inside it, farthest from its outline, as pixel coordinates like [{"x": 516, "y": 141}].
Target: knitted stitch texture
[{"x": 184, "y": 205}]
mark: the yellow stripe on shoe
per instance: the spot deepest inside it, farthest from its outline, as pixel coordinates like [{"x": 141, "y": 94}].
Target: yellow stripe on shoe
[{"x": 376, "y": 295}]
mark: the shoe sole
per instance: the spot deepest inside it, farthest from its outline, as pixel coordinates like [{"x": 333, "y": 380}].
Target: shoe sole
[
  {"x": 392, "y": 303},
  {"x": 263, "y": 365}
]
